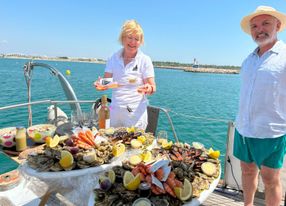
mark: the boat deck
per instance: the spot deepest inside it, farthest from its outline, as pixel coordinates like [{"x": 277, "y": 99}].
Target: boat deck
[{"x": 233, "y": 199}]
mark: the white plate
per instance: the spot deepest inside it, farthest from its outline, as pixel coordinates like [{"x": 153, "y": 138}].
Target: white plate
[
  {"x": 72, "y": 173},
  {"x": 43, "y": 130},
  {"x": 204, "y": 195},
  {"x": 7, "y": 136}
]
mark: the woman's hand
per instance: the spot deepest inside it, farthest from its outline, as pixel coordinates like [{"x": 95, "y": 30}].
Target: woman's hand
[
  {"x": 146, "y": 89},
  {"x": 98, "y": 86}
]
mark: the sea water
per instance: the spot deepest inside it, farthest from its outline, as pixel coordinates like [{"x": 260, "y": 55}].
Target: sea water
[{"x": 200, "y": 104}]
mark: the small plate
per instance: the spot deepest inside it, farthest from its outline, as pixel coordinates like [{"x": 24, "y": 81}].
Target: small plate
[
  {"x": 7, "y": 137},
  {"x": 38, "y": 133}
]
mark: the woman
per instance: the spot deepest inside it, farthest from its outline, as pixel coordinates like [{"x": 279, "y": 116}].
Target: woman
[{"x": 134, "y": 73}]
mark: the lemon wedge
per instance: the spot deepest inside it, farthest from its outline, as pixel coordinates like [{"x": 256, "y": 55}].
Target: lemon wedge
[
  {"x": 66, "y": 159},
  {"x": 109, "y": 131},
  {"x": 186, "y": 192},
  {"x": 142, "y": 139},
  {"x": 118, "y": 149},
  {"x": 108, "y": 175},
  {"x": 162, "y": 141},
  {"x": 167, "y": 145},
  {"x": 111, "y": 176},
  {"x": 52, "y": 142},
  {"x": 130, "y": 130},
  {"x": 147, "y": 156},
  {"x": 63, "y": 138},
  {"x": 214, "y": 153},
  {"x": 130, "y": 182}
]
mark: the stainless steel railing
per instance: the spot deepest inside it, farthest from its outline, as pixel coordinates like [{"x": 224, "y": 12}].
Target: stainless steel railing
[{"x": 56, "y": 103}]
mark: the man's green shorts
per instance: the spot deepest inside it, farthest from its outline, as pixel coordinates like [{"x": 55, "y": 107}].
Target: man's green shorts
[{"x": 268, "y": 152}]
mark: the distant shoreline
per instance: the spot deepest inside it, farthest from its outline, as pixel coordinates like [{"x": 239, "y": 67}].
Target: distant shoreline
[
  {"x": 99, "y": 61},
  {"x": 70, "y": 59},
  {"x": 202, "y": 70}
]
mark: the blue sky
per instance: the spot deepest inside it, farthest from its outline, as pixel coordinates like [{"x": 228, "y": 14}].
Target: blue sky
[{"x": 175, "y": 30}]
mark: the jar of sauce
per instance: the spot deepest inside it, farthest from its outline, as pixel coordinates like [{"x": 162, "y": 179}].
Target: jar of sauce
[
  {"x": 144, "y": 190},
  {"x": 21, "y": 139}
]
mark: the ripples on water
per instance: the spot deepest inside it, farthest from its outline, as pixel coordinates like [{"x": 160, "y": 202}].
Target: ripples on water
[{"x": 186, "y": 94}]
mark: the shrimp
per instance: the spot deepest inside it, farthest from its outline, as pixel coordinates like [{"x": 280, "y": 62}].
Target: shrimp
[
  {"x": 135, "y": 171},
  {"x": 178, "y": 155},
  {"x": 154, "y": 190},
  {"x": 142, "y": 169},
  {"x": 178, "y": 183},
  {"x": 171, "y": 182},
  {"x": 169, "y": 190},
  {"x": 160, "y": 174},
  {"x": 162, "y": 191}
]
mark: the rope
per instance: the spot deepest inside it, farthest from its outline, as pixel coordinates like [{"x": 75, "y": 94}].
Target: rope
[{"x": 197, "y": 117}]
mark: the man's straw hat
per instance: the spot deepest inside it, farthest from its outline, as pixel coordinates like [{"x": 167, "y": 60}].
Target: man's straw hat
[{"x": 245, "y": 22}]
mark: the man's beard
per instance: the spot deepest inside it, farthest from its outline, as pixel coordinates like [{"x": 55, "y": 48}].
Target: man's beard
[{"x": 266, "y": 38}]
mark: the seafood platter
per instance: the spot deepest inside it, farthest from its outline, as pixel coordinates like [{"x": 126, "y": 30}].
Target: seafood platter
[
  {"x": 133, "y": 167},
  {"x": 85, "y": 151},
  {"x": 163, "y": 174}
]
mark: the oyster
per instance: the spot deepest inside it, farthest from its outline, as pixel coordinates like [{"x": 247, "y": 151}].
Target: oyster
[{"x": 40, "y": 162}]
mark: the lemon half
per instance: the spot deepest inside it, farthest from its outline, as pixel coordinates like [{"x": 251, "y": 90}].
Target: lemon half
[
  {"x": 130, "y": 182},
  {"x": 66, "y": 159},
  {"x": 118, "y": 149},
  {"x": 52, "y": 142},
  {"x": 186, "y": 192}
]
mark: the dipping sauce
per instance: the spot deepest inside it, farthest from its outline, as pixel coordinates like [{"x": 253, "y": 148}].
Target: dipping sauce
[{"x": 142, "y": 202}]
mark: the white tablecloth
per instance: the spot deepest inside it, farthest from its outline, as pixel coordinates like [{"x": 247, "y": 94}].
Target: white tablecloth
[
  {"x": 22, "y": 194},
  {"x": 75, "y": 185}
]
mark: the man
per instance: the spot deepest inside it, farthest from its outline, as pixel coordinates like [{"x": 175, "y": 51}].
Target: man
[{"x": 260, "y": 140}]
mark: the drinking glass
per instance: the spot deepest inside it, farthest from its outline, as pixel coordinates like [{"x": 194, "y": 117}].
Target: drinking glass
[
  {"x": 93, "y": 118},
  {"x": 162, "y": 136},
  {"x": 86, "y": 119},
  {"x": 132, "y": 79},
  {"x": 75, "y": 119}
]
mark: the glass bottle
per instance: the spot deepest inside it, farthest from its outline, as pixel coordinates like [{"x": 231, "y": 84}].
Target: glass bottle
[
  {"x": 104, "y": 114},
  {"x": 21, "y": 139}
]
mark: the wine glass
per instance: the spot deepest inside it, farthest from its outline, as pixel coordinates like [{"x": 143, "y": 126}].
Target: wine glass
[
  {"x": 86, "y": 119},
  {"x": 93, "y": 118},
  {"x": 75, "y": 119},
  {"x": 132, "y": 79},
  {"x": 162, "y": 136}
]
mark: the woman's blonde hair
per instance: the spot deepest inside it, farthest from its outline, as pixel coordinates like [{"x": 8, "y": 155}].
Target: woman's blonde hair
[{"x": 131, "y": 27}]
